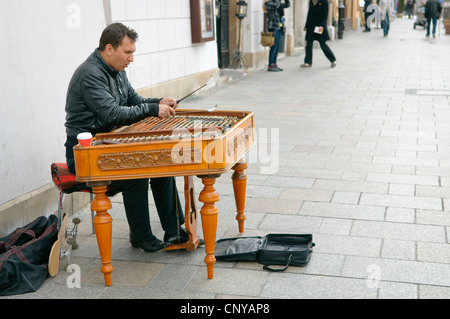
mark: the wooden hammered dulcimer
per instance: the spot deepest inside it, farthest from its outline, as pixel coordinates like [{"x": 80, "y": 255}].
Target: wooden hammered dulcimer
[{"x": 191, "y": 143}]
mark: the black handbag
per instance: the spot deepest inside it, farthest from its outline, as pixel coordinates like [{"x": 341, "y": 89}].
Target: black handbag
[{"x": 272, "y": 249}]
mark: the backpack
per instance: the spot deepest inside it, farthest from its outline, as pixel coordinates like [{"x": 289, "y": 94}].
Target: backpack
[{"x": 24, "y": 256}]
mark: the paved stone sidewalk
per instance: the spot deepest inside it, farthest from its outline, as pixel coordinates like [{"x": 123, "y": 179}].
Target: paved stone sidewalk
[{"x": 357, "y": 155}]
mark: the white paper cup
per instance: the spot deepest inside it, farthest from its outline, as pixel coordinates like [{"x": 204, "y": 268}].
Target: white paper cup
[{"x": 84, "y": 139}]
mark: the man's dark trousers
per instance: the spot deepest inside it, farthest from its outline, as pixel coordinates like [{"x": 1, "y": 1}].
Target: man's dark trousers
[{"x": 135, "y": 200}]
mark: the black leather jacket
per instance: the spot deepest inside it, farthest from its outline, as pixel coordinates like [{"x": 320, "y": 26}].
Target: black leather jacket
[{"x": 99, "y": 98}]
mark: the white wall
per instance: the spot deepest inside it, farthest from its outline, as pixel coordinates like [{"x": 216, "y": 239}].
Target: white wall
[
  {"x": 41, "y": 44},
  {"x": 253, "y": 24},
  {"x": 164, "y": 49}
]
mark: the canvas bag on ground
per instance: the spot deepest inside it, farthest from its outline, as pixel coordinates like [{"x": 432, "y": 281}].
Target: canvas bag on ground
[
  {"x": 24, "y": 256},
  {"x": 273, "y": 249}
]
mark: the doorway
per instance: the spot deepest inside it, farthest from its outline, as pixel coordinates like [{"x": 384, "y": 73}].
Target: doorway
[{"x": 223, "y": 47}]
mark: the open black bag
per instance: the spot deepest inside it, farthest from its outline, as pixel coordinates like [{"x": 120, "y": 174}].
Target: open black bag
[
  {"x": 24, "y": 256},
  {"x": 272, "y": 249}
]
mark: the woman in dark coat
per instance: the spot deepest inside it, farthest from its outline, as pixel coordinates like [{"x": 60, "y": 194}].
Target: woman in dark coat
[{"x": 316, "y": 29}]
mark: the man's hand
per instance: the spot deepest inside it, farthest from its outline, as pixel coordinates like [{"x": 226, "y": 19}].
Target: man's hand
[
  {"x": 170, "y": 102},
  {"x": 167, "y": 108},
  {"x": 165, "y": 111}
]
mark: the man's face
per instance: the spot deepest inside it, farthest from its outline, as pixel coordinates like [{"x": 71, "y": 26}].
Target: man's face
[{"x": 121, "y": 57}]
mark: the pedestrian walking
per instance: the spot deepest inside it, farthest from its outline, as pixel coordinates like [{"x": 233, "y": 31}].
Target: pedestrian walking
[
  {"x": 367, "y": 3},
  {"x": 410, "y": 8},
  {"x": 433, "y": 10},
  {"x": 387, "y": 12},
  {"x": 316, "y": 29}
]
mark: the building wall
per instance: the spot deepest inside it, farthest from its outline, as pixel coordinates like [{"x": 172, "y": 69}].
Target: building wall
[
  {"x": 42, "y": 42},
  {"x": 164, "y": 49},
  {"x": 253, "y": 25}
]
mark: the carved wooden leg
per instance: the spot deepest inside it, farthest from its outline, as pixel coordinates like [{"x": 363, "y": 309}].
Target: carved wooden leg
[
  {"x": 209, "y": 213},
  {"x": 239, "y": 178},
  {"x": 103, "y": 226}
]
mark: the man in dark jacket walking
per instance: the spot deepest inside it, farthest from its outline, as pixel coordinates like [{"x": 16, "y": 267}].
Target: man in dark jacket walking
[
  {"x": 99, "y": 99},
  {"x": 316, "y": 29},
  {"x": 433, "y": 10}
]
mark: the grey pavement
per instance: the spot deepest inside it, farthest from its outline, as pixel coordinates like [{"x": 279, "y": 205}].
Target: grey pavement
[{"x": 357, "y": 155}]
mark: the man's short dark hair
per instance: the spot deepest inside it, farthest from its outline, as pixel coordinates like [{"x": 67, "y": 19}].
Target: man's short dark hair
[{"x": 114, "y": 34}]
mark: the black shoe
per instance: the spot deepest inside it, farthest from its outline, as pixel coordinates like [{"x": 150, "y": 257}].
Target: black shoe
[
  {"x": 184, "y": 237},
  {"x": 173, "y": 238},
  {"x": 150, "y": 246}
]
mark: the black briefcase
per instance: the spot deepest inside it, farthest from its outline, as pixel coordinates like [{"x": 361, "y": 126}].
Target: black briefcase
[{"x": 273, "y": 249}]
